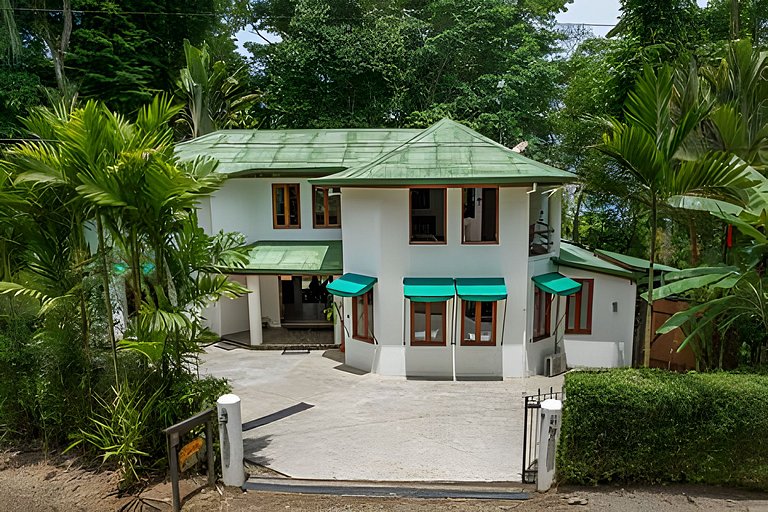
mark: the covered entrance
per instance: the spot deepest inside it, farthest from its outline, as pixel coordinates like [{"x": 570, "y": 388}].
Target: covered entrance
[{"x": 288, "y": 303}]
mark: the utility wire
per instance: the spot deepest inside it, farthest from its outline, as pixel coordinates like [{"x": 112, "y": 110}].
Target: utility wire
[{"x": 179, "y": 13}]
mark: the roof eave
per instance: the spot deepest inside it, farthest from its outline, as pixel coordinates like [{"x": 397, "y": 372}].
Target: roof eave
[
  {"x": 598, "y": 270},
  {"x": 464, "y": 180}
]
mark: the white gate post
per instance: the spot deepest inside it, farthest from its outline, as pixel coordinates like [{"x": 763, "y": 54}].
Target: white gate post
[
  {"x": 231, "y": 440},
  {"x": 551, "y": 415}
]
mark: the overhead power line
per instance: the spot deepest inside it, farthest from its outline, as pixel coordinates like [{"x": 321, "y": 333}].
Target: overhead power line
[{"x": 179, "y": 13}]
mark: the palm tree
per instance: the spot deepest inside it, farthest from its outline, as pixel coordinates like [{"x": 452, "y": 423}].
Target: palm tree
[
  {"x": 214, "y": 95},
  {"x": 658, "y": 145}
]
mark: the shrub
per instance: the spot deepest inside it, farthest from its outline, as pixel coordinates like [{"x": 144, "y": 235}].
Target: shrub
[{"x": 653, "y": 426}]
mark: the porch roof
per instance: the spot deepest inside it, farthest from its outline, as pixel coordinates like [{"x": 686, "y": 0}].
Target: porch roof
[
  {"x": 632, "y": 263},
  {"x": 245, "y": 153},
  {"x": 448, "y": 153},
  {"x": 321, "y": 257},
  {"x": 576, "y": 257}
]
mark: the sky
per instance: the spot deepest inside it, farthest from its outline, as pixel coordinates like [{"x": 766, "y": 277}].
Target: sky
[{"x": 601, "y": 12}]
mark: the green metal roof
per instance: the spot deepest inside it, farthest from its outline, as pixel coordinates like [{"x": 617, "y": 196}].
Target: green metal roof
[
  {"x": 557, "y": 284},
  {"x": 481, "y": 289},
  {"x": 448, "y": 153},
  {"x": 351, "y": 285},
  {"x": 576, "y": 257},
  {"x": 428, "y": 289},
  {"x": 298, "y": 152},
  {"x": 632, "y": 263},
  {"x": 293, "y": 257}
]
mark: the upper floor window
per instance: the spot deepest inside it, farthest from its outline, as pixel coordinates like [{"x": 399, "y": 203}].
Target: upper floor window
[
  {"x": 362, "y": 317},
  {"x": 427, "y": 210},
  {"x": 286, "y": 209},
  {"x": 542, "y": 306},
  {"x": 326, "y": 207},
  {"x": 480, "y": 218},
  {"x": 478, "y": 323},
  {"x": 428, "y": 323},
  {"x": 578, "y": 309}
]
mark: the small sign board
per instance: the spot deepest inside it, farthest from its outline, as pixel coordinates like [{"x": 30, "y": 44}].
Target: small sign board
[{"x": 191, "y": 453}]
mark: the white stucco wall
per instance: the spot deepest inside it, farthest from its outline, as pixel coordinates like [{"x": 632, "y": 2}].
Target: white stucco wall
[
  {"x": 245, "y": 205},
  {"x": 376, "y": 230},
  {"x": 234, "y": 312},
  {"x": 270, "y": 299},
  {"x": 610, "y": 344}
]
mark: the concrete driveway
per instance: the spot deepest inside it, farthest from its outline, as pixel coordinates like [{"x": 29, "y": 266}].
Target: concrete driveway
[{"x": 370, "y": 427}]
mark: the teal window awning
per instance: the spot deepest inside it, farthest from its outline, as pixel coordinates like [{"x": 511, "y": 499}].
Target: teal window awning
[
  {"x": 428, "y": 289},
  {"x": 351, "y": 285},
  {"x": 557, "y": 284},
  {"x": 481, "y": 289}
]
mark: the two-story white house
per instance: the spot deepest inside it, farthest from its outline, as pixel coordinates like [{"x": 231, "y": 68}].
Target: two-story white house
[{"x": 438, "y": 249}]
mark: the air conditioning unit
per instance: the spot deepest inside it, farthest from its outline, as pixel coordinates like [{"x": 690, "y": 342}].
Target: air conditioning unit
[{"x": 555, "y": 364}]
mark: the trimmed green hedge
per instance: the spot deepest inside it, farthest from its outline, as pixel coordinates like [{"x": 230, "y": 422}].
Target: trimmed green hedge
[{"x": 654, "y": 426}]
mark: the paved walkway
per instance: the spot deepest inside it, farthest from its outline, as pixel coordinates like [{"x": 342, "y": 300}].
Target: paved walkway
[{"x": 369, "y": 427}]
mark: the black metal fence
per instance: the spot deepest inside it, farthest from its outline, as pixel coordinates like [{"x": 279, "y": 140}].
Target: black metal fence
[{"x": 531, "y": 431}]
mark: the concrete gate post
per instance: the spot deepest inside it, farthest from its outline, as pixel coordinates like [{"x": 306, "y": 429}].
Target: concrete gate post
[
  {"x": 231, "y": 440},
  {"x": 551, "y": 415}
]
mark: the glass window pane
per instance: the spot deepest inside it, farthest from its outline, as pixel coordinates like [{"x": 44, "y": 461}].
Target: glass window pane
[
  {"x": 427, "y": 215},
  {"x": 419, "y": 326},
  {"x": 280, "y": 206},
  {"x": 360, "y": 317},
  {"x": 293, "y": 204},
  {"x": 319, "y": 210},
  {"x": 586, "y": 294},
  {"x": 334, "y": 208},
  {"x": 488, "y": 215},
  {"x": 479, "y": 214},
  {"x": 486, "y": 322},
  {"x": 370, "y": 314},
  {"x": 571, "y": 308},
  {"x": 436, "y": 315},
  {"x": 470, "y": 321}
]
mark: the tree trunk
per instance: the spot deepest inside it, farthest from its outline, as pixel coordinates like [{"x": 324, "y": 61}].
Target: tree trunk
[
  {"x": 135, "y": 270},
  {"x": 58, "y": 45},
  {"x": 649, "y": 310},
  {"x": 735, "y": 25},
  {"x": 694, "y": 241},
  {"x": 107, "y": 298},
  {"x": 576, "y": 217}
]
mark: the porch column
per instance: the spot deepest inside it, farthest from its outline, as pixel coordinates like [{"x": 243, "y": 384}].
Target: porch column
[{"x": 254, "y": 309}]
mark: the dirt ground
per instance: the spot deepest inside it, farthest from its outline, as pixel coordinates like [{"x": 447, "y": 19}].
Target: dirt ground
[{"x": 30, "y": 482}]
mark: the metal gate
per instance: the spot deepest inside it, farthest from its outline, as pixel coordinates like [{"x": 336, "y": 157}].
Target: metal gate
[{"x": 531, "y": 431}]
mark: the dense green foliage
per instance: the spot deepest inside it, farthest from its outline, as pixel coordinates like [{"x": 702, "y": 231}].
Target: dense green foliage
[
  {"x": 652, "y": 426},
  {"x": 488, "y": 63},
  {"x": 99, "y": 340}
]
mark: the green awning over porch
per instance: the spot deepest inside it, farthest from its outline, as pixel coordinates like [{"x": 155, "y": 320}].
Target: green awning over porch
[
  {"x": 315, "y": 257},
  {"x": 428, "y": 289},
  {"x": 557, "y": 284},
  {"x": 481, "y": 289},
  {"x": 351, "y": 285}
]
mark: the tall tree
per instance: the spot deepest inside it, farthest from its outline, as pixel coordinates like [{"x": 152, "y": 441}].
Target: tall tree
[
  {"x": 657, "y": 147},
  {"x": 372, "y": 63}
]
